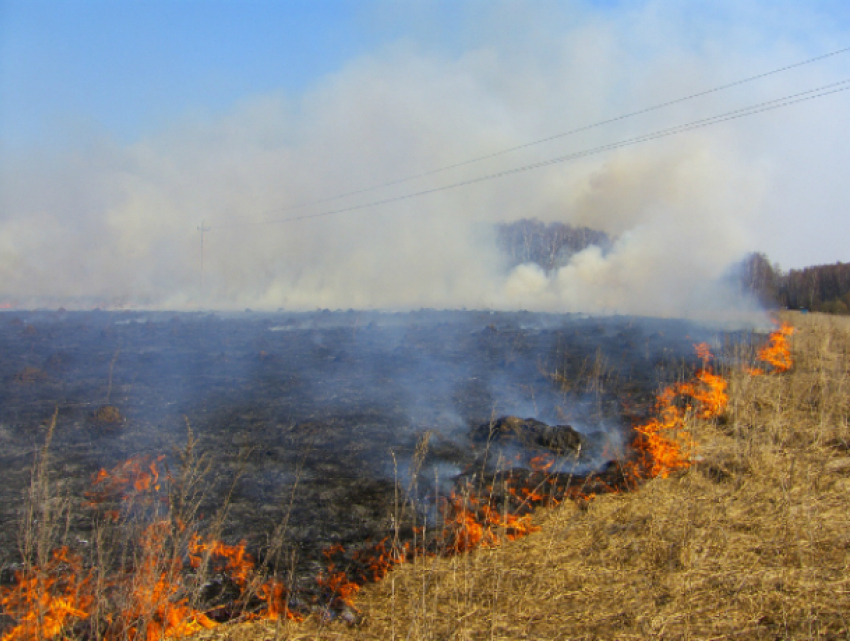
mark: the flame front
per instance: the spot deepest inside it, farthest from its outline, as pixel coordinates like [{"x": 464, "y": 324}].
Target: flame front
[
  {"x": 154, "y": 606},
  {"x": 49, "y": 601},
  {"x": 663, "y": 443},
  {"x": 777, "y": 352},
  {"x": 146, "y": 601}
]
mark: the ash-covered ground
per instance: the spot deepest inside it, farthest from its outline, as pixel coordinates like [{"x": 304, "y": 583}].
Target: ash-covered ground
[{"x": 312, "y": 418}]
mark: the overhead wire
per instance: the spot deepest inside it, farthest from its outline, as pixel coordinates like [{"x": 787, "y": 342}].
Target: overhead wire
[
  {"x": 564, "y": 134},
  {"x": 757, "y": 108}
]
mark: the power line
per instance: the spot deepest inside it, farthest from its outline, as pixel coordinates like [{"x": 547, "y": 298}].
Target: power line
[
  {"x": 571, "y": 132},
  {"x": 757, "y": 108}
]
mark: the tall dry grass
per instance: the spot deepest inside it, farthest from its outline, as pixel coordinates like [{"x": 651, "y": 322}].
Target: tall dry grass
[
  {"x": 127, "y": 581},
  {"x": 752, "y": 542}
]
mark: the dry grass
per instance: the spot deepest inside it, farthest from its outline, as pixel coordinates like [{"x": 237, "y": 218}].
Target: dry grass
[
  {"x": 753, "y": 542},
  {"x": 127, "y": 581}
]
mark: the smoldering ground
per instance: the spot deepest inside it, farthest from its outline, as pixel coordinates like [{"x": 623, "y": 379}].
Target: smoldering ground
[{"x": 315, "y": 417}]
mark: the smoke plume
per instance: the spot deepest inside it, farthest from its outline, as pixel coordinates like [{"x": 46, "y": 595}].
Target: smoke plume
[{"x": 111, "y": 224}]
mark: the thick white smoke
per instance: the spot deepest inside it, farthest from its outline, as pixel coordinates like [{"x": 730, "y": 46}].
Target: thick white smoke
[
  {"x": 677, "y": 220},
  {"x": 116, "y": 224}
]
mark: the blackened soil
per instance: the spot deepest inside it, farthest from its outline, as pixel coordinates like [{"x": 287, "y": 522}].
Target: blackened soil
[{"x": 310, "y": 420}]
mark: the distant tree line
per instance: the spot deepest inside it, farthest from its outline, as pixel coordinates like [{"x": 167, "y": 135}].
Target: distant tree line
[
  {"x": 550, "y": 246},
  {"x": 820, "y": 288}
]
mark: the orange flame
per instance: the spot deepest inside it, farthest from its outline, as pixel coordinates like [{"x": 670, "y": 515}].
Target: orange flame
[
  {"x": 378, "y": 560},
  {"x": 469, "y": 525},
  {"x": 711, "y": 397},
  {"x": 339, "y": 585},
  {"x": 703, "y": 353},
  {"x": 154, "y": 607},
  {"x": 663, "y": 443},
  {"x": 777, "y": 352},
  {"x": 238, "y": 564},
  {"x": 542, "y": 463},
  {"x": 463, "y": 531},
  {"x": 134, "y": 477},
  {"x": 275, "y": 596},
  {"x": 46, "y": 601}
]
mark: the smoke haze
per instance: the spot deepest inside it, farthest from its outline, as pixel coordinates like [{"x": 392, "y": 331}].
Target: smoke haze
[{"x": 102, "y": 222}]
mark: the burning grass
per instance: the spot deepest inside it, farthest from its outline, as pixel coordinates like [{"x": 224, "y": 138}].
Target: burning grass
[
  {"x": 739, "y": 528},
  {"x": 750, "y": 542},
  {"x": 150, "y": 570},
  {"x": 665, "y": 443}
]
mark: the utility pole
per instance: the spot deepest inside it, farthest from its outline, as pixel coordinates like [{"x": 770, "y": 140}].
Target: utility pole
[{"x": 203, "y": 229}]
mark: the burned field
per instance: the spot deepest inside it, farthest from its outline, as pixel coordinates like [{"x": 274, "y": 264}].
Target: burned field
[{"x": 314, "y": 426}]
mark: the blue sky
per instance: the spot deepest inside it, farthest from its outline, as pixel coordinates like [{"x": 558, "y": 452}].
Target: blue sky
[
  {"x": 130, "y": 66},
  {"x": 123, "y": 124}
]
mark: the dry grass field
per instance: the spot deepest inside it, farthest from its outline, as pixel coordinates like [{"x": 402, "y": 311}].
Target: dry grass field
[{"x": 751, "y": 542}]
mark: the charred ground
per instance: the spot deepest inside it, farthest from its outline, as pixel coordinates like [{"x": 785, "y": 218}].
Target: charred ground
[{"x": 313, "y": 419}]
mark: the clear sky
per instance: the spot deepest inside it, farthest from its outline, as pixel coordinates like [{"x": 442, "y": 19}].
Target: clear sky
[
  {"x": 128, "y": 67},
  {"x": 123, "y": 124}
]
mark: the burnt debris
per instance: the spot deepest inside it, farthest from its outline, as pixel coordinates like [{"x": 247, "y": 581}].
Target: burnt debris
[
  {"x": 530, "y": 434},
  {"x": 311, "y": 421}
]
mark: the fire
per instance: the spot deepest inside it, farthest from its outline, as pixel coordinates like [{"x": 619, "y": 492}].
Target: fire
[
  {"x": 48, "y": 600},
  {"x": 155, "y": 610},
  {"x": 275, "y": 596},
  {"x": 464, "y": 530},
  {"x": 777, "y": 352},
  {"x": 378, "y": 560},
  {"x": 126, "y": 482},
  {"x": 366, "y": 565},
  {"x": 663, "y": 443},
  {"x": 703, "y": 353},
  {"x": 542, "y": 463},
  {"x": 709, "y": 392},
  {"x": 147, "y": 600},
  {"x": 237, "y": 563},
  {"x": 155, "y": 589},
  {"x": 470, "y": 523},
  {"x": 339, "y": 585}
]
